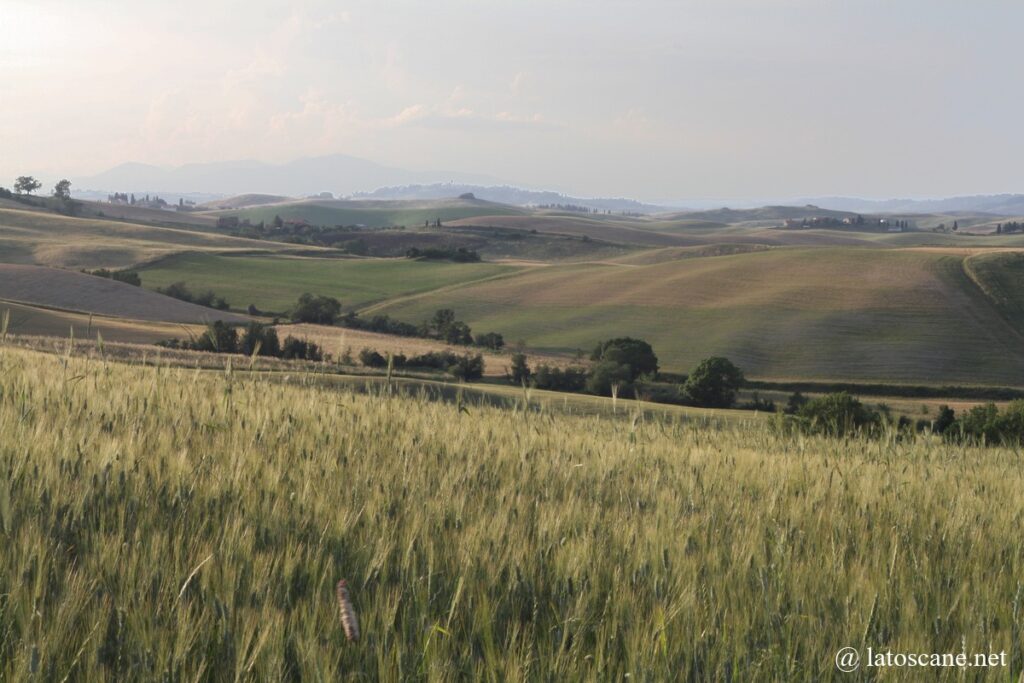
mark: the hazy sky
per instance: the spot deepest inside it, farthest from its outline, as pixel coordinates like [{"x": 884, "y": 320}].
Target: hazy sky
[{"x": 649, "y": 99}]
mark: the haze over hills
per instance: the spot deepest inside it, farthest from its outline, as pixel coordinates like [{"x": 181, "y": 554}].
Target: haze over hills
[
  {"x": 506, "y": 194},
  {"x": 335, "y": 173}
]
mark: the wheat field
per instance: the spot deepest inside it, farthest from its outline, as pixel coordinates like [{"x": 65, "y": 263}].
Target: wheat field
[{"x": 182, "y": 524}]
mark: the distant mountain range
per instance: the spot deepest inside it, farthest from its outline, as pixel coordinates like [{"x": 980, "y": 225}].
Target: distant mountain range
[
  {"x": 337, "y": 173},
  {"x": 344, "y": 175},
  {"x": 505, "y": 194},
  {"x": 1000, "y": 204}
]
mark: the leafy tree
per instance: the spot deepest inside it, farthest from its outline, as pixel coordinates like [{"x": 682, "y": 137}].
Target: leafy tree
[
  {"x": 442, "y": 320},
  {"x": 322, "y": 310},
  {"x": 62, "y": 190},
  {"x": 26, "y": 184},
  {"x": 714, "y": 383},
  {"x": 635, "y": 354},
  {"x": 520, "y": 371},
  {"x": 458, "y": 333}
]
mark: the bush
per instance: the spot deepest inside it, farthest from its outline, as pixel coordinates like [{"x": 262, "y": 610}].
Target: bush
[
  {"x": 558, "y": 379},
  {"x": 300, "y": 349},
  {"x": 219, "y": 337},
  {"x": 714, "y": 383},
  {"x": 608, "y": 374},
  {"x": 987, "y": 425},
  {"x": 837, "y": 415},
  {"x": 490, "y": 340},
  {"x": 179, "y": 290},
  {"x": 259, "y": 337},
  {"x": 129, "y": 277},
  {"x": 468, "y": 367},
  {"x": 372, "y": 359},
  {"x": 321, "y": 310}
]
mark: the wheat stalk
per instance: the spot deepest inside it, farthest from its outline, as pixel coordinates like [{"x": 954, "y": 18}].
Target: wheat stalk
[{"x": 349, "y": 623}]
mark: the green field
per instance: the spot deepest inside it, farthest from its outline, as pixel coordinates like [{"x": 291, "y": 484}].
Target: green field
[
  {"x": 840, "y": 313},
  {"x": 273, "y": 283},
  {"x": 373, "y": 214},
  {"x": 178, "y": 524}
]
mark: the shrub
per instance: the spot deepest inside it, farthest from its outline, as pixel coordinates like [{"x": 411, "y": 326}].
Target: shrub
[
  {"x": 557, "y": 379},
  {"x": 372, "y": 359},
  {"x": 219, "y": 337},
  {"x": 837, "y": 415},
  {"x": 300, "y": 349},
  {"x": 468, "y": 367},
  {"x": 608, "y": 374},
  {"x": 490, "y": 340},
  {"x": 261, "y": 337}
]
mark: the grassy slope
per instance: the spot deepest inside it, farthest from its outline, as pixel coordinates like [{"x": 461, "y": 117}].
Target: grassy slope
[
  {"x": 373, "y": 213},
  {"x": 74, "y": 291},
  {"x": 1001, "y": 277},
  {"x": 831, "y": 313},
  {"x": 34, "y": 320},
  {"x": 35, "y": 237},
  {"x": 169, "y": 523},
  {"x": 274, "y": 283}
]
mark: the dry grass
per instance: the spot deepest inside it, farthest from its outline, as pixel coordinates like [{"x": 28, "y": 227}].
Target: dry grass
[{"x": 169, "y": 523}]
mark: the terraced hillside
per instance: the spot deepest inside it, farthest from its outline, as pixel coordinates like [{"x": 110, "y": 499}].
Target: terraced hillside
[{"x": 811, "y": 313}]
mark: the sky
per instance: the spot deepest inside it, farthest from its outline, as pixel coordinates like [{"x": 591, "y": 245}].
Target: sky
[{"x": 647, "y": 99}]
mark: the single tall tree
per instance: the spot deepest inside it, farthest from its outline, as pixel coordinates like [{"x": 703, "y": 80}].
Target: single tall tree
[
  {"x": 62, "y": 190},
  {"x": 26, "y": 184}
]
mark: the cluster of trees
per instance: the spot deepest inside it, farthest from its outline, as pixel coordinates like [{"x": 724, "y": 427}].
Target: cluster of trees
[
  {"x": 625, "y": 365},
  {"x": 179, "y": 290},
  {"x": 130, "y": 277},
  {"x": 840, "y": 414},
  {"x": 380, "y": 323},
  {"x": 1012, "y": 226},
  {"x": 147, "y": 202},
  {"x": 983, "y": 424},
  {"x": 456, "y": 254},
  {"x": 25, "y": 185},
  {"x": 444, "y": 326},
  {"x": 256, "y": 340},
  {"x": 465, "y": 367}
]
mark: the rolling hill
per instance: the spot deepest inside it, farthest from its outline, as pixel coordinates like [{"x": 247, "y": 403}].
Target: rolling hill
[
  {"x": 274, "y": 283},
  {"x": 43, "y": 238},
  {"x": 374, "y": 214},
  {"x": 71, "y": 291},
  {"x": 864, "y": 314}
]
